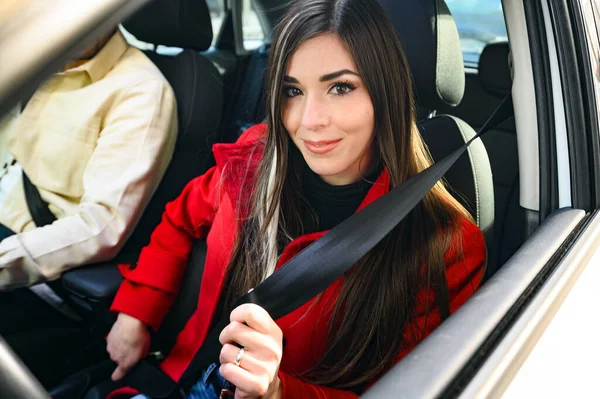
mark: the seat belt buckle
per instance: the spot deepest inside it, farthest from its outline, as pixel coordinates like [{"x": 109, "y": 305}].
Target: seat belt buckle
[{"x": 226, "y": 393}]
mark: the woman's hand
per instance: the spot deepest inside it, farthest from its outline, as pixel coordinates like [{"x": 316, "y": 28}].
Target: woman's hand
[
  {"x": 127, "y": 343},
  {"x": 253, "y": 329}
]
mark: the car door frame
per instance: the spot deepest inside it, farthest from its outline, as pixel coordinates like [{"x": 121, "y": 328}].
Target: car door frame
[{"x": 479, "y": 350}]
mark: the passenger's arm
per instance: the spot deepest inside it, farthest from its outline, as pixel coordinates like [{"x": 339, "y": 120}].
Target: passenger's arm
[{"x": 131, "y": 155}]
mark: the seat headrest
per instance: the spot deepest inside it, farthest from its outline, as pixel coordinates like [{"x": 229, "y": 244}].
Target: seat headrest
[
  {"x": 494, "y": 69},
  {"x": 432, "y": 46},
  {"x": 176, "y": 23}
]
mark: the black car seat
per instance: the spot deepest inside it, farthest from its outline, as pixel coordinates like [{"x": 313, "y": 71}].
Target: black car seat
[
  {"x": 432, "y": 46},
  {"x": 196, "y": 82},
  {"x": 501, "y": 143}
]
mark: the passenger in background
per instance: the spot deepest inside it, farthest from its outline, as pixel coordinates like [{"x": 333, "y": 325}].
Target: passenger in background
[{"x": 80, "y": 161}]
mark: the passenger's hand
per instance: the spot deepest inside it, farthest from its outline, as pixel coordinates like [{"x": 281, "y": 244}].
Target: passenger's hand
[
  {"x": 253, "y": 329},
  {"x": 127, "y": 343}
]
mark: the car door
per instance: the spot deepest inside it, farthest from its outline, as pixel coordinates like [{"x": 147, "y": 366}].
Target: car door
[
  {"x": 530, "y": 331},
  {"x": 562, "y": 361}
]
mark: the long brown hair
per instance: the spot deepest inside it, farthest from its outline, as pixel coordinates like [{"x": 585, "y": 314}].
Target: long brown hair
[{"x": 378, "y": 296}]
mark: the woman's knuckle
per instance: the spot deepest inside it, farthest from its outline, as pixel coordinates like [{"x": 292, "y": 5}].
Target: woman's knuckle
[
  {"x": 222, "y": 355},
  {"x": 262, "y": 387},
  {"x": 273, "y": 352},
  {"x": 234, "y": 327},
  {"x": 236, "y": 313},
  {"x": 223, "y": 336},
  {"x": 278, "y": 334},
  {"x": 251, "y": 318},
  {"x": 225, "y": 371}
]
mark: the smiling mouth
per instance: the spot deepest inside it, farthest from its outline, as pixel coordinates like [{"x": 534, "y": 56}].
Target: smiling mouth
[{"x": 321, "y": 147}]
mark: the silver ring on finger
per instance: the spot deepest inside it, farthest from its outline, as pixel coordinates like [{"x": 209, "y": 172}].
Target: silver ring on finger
[{"x": 238, "y": 358}]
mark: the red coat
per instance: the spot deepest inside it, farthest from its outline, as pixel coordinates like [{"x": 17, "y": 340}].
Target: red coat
[{"x": 205, "y": 208}]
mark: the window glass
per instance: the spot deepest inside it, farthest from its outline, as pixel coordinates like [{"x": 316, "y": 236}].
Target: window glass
[
  {"x": 479, "y": 22},
  {"x": 254, "y": 35},
  {"x": 217, "y": 14}
]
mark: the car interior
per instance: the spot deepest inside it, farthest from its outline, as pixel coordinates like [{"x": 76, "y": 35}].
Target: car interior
[{"x": 219, "y": 90}]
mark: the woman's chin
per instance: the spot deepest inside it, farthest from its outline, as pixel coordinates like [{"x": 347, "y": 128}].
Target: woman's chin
[
  {"x": 333, "y": 176},
  {"x": 323, "y": 170}
]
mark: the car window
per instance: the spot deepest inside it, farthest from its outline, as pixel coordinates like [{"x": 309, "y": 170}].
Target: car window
[
  {"x": 479, "y": 22},
  {"x": 217, "y": 14},
  {"x": 253, "y": 32}
]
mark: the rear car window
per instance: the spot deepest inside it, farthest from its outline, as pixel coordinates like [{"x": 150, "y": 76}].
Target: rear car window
[
  {"x": 254, "y": 36},
  {"x": 217, "y": 14},
  {"x": 479, "y": 22}
]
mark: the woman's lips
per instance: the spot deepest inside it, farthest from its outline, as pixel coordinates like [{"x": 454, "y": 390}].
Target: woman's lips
[{"x": 321, "y": 147}]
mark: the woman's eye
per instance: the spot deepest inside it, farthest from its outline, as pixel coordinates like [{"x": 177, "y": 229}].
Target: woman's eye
[
  {"x": 291, "y": 91},
  {"x": 340, "y": 89}
]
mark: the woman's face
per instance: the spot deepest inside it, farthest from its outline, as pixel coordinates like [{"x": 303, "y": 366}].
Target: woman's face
[{"x": 327, "y": 110}]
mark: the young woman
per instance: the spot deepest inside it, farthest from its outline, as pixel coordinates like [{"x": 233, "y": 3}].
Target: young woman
[{"x": 341, "y": 133}]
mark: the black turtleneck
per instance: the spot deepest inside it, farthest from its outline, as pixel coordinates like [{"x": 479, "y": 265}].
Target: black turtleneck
[{"x": 333, "y": 204}]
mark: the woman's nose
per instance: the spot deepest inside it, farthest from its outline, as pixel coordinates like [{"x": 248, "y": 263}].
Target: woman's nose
[{"x": 315, "y": 114}]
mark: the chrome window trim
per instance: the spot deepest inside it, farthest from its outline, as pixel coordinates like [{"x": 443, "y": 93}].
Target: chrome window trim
[
  {"x": 560, "y": 121},
  {"x": 498, "y": 371},
  {"x": 431, "y": 370},
  {"x": 524, "y": 100}
]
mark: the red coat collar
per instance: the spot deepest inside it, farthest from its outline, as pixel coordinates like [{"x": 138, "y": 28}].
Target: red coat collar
[{"x": 238, "y": 163}]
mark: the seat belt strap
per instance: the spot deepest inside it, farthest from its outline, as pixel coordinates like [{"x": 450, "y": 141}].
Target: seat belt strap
[
  {"x": 38, "y": 208},
  {"x": 317, "y": 266}
]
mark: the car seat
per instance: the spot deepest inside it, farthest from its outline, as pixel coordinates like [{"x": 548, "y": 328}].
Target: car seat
[{"x": 432, "y": 46}]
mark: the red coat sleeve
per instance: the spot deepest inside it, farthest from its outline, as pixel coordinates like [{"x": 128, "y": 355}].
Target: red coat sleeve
[
  {"x": 294, "y": 388},
  {"x": 464, "y": 273},
  {"x": 151, "y": 286}
]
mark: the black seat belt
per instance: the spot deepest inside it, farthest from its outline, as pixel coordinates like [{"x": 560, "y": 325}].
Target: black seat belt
[
  {"x": 38, "y": 208},
  {"x": 316, "y": 267}
]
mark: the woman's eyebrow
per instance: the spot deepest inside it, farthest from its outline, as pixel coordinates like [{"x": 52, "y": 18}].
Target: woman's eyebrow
[
  {"x": 324, "y": 78},
  {"x": 289, "y": 79},
  {"x": 333, "y": 75}
]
